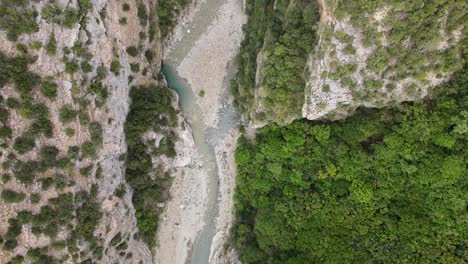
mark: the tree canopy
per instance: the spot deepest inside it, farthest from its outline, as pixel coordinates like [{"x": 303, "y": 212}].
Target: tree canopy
[{"x": 385, "y": 185}]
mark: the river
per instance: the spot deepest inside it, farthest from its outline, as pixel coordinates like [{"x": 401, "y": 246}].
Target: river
[{"x": 205, "y": 135}]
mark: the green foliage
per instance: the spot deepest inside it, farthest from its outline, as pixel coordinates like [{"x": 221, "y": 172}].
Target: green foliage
[
  {"x": 201, "y": 93},
  {"x": 35, "y": 198},
  {"x": 51, "y": 47},
  {"x": 22, "y": 48},
  {"x": 86, "y": 171},
  {"x": 10, "y": 196},
  {"x": 24, "y": 144},
  {"x": 126, "y": 7},
  {"x": 115, "y": 67},
  {"x": 17, "y": 18},
  {"x": 151, "y": 108},
  {"x": 132, "y": 51},
  {"x": 72, "y": 66},
  {"x": 71, "y": 17},
  {"x": 135, "y": 67},
  {"x": 5, "y": 132},
  {"x": 383, "y": 186},
  {"x": 16, "y": 69},
  {"x": 87, "y": 214},
  {"x": 167, "y": 12},
  {"x": 123, "y": 21},
  {"x": 49, "y": 89},
  {"x": 48, "y": 156},
  {"x": 142, "y": 13},
  {"x": 285, "y": 35},
  {"x": 67, "y": 114},
  {"x": 149, "y": 54}
]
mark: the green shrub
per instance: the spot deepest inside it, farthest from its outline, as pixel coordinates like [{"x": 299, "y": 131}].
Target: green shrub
[
  {"x": 10, "y": 196},
  {"x": 168, "y": 12},
  {"x": 85, "y": 171},
  {"x": 89, "y": 149},
  {"x": 49, "y": 89},
  {"x": 48, "y": 155},
  {"x": 142, "y": 13},
  {"x": 132, "y": 51},
  {"x": 71, "y": 66},
  {"x": 126, "y": 7},
  {"x": 135, "y": 67},
  {"x": 24, "y": 144},
  {"x": 16, "y": 69},
  {"x": 36, "y": 45},
  {"x": 123, "y": 21},
  {"x": 70, "y": 132},
  {"x": 201, "y": 93},
  {"x": 51, "y": 47},
  {"x": 35, "y": 198},
  {"x": 67, "y": 114},
  {"x": 12, "y": 103},
  {"x": 22, "y": 48},
  {"x": 6, "y": 178},
  {"x": 5, "y": 132},
  {"x": 86, "y": 66},
  {"x": 17, "y": 19},
  {"x": 149, "y": 54},
  {"x": 70, "y": 17},
  {"x": 115, "y": 67}
]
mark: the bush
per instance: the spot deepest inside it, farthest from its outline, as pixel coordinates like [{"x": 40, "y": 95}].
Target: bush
[
  {"x": 5, "y": 132},
  {"x": 85, "y": 171},
  {"x": 48, "y": 155},
  {"x": 51, "y": 47},
  {"x": 89, "y": 149},
  {"x": 35, "y": 198},
  {"x": 126, "y": 7},
  {"x": 149, "y": 54},
  {"x": 70, "y": 18},
  {"x": 115, "y": 67},
  {"x": 71, "y": 66},
  {"x": 17, "y": 19},
  {"x": 16, "y": 69},
  {"x": 22, "y": 48},
  {"x": 67, "y": 114},
  {"x": 49, "y": 89},
  {"x": 10, "y": 196},
  {"x": 24, "y": 144},
  {"x": 123, "y": 21},
  {"x": 142, "y": 14},
  {"x": 12, "y": 103},
  {"x": 6, "y": 178},
  {"x": 135, "y": 67},
  {"x": 132, "y": 51}
]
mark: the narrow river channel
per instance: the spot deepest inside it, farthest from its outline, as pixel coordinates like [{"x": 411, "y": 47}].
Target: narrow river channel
[{"x": 205, "y": 137}]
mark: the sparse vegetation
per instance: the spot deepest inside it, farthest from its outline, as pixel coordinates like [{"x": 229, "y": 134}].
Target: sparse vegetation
[{"x": 10, "y": 196}]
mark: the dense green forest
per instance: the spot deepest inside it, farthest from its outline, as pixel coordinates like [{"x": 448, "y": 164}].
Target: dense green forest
[
  {"x": 151, "y": 110},
  {"x": 285, "y": 32},
  {"x": 385, "y": 185}
]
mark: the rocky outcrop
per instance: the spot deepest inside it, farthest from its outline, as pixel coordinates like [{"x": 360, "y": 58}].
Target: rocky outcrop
[
  {"x": 103, "y": 35},
  {"x": 342, "y": 71}
]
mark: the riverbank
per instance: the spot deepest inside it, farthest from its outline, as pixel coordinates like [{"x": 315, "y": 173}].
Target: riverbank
[{"x": 204, "y": 66}]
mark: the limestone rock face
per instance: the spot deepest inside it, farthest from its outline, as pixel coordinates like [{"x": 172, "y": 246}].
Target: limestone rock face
[
  {"x": 355, "y": 65},
  {"x": 104, "y": 39}
]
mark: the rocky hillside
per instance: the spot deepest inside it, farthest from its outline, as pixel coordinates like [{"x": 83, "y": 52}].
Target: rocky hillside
[
  {"x": 68, "y": 189},
  {"x": 295, "y": 63}
]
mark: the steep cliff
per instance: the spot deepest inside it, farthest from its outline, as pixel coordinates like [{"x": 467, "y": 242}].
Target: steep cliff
[
  {"x": 296, "y": 64},
  {"x": 67, "y": 69}
]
